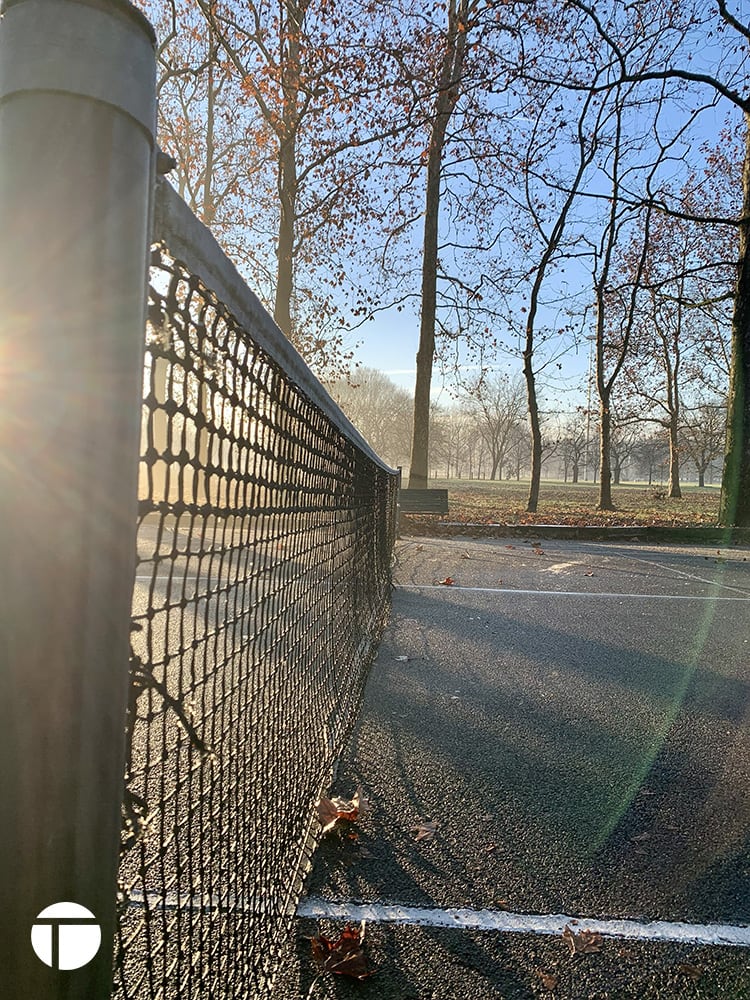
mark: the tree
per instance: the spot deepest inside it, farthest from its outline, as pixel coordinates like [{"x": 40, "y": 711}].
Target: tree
[
  {"x": 572, "y": 447},
  {"x": 683, "y": 58},
  {"x": 448, "y": 88},
  {"x": 652, "y": 456},
  {"x": 305, "y": 119},
  {"x": 380, "y": 410},
  {"x": 623, "y": 446},
  {"x": 497, "y": 406},
  {"x": 702, "y": 434}
]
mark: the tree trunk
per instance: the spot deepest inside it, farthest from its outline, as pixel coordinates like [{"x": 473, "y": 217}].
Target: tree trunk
[
  {"x": 287, "y": 172},
  {"x": 734, "y": 508},
  {"x": 701, "y": 477},
  {"x": 675, "y": 493},
  {"x": 605, "y": 439},
  {"x": 536, "y": 439},
  {"x": 208, "y": 213},
  {"x": 448, "y": 90},
  {"x": 282, "y": 310}
]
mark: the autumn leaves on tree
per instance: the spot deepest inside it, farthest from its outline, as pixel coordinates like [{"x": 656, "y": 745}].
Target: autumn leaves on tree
[{"x": 526, "y": 177}]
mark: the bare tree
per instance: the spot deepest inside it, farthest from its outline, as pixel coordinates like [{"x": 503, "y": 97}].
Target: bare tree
[
  {"x": 379, "y": 409},
  {"x": 497, "y": 405},
  {"x": 702, "y": 434}
]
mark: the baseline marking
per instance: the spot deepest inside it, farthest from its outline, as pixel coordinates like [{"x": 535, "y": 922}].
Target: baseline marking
[
  {"x": 689, "y": 576},
  {"x": 736, "y": 936},
  {"x": 526, "y": 923},
  {"x": 566, "y": 593}
]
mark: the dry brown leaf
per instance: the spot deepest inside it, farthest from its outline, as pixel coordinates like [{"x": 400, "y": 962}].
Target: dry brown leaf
[
  {"x": 447, "y": 582},
  {"x": 425, "y": 831},
  {"x": 332, "y": 810},
  {"x": 327, "y": 813},
  {"x": 549, "y": 981},
  {"x": 693, "y": 972},
  {"x": 584, "y": 942},
  {"x": 344, "y": 956}
]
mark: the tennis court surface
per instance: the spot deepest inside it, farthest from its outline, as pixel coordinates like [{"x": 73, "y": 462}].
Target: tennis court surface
[{"x": 568, "y": 727}]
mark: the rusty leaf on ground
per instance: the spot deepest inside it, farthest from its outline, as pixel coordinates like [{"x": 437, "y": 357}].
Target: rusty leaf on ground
[
  {"x": 549, "y": 981},
  {"x": 447, "y": 582},
  {"x": 344, "y": 956},
  {"x": 425, "y": 830},
  {"x": 693, "y": 972},
  {"x": 330, "y": 811},
  {"x": 584, "y": 942}
]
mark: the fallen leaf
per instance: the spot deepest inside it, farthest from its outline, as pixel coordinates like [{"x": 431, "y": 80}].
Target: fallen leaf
[
  {"x": 328, "y": 814},
  {"x": 510, "y": 546},
  {"x": 344, "y": 956},
  {"x": 588, "y": 574},
  {"x": 425, "y": 831},
  {"x": 584, "y": 942},
  {"x": 549, "y": 982},
  {"x": 693, "y": 972},
  {"x": 465, "y": 555},
  {"x": 402, "y": 659},
  {"x": 538, "y": 552},
  {"x": 332, "y": 810},
  {"x": 447, "y": 582}
]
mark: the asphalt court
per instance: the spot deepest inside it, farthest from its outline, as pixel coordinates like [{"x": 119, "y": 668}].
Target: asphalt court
[{"x": 575, "y": 719}]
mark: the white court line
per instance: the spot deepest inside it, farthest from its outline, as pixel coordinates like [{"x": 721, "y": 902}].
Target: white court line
[
  {"x": 458, "y": 919},
  {"x": 164, "y": 579},
  {"x": 566, "y": 593},
  {"x": 690, "y": 576},
  {"x": 527, "y": 923}
]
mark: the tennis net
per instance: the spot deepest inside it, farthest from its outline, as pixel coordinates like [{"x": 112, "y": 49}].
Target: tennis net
[{"x": 265, "y": 532}]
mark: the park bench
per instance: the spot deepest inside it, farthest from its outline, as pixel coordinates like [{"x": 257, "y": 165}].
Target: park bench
[{"x": 423, "y": 501}]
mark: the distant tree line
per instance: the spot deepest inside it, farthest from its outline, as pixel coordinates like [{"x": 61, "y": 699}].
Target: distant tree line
[{"x": 485, "y": 435}]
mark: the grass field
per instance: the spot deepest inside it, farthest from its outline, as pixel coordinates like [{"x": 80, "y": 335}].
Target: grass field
[{"x": 484, "y": 502}]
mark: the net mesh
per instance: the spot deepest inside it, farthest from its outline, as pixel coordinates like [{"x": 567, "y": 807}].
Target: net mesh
[{"x": 264, "y": 544}]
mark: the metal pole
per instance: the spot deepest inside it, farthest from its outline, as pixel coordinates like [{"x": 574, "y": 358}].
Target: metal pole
[{"x": 77, "y": 123}]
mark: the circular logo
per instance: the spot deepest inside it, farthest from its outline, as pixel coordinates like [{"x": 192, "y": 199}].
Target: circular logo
[{"x": 66, "y": 936}]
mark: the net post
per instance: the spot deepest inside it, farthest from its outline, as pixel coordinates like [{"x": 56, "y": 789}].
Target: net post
[{"x": 77, "y": 124}]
